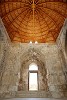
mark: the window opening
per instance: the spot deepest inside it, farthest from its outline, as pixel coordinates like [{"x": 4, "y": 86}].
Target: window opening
[{"x": 33, "y": 77}]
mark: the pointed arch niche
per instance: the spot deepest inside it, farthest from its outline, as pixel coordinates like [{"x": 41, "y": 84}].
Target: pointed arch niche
[{"x": 33, "y": 73}]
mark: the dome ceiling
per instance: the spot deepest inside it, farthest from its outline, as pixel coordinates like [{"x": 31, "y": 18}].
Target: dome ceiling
[{"x": 49, "y": 16}]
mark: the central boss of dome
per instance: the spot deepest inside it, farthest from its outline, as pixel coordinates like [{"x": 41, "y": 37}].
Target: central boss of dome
[{"x": 33, "y": 5}]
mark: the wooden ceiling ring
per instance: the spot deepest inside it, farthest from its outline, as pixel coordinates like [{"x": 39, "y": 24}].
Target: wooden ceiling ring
[
  {"x": 50, "y": 18},
  {"x": 17, "y": 17},
  {"x": 43, "y": 18},
  {"x": 54, "y": 11},
  {"x": 52, "y": 2},
  {"x": 11, "y": 11},
  {"x": 24, "y": 18},
  {"x": 47, "y": 24}
]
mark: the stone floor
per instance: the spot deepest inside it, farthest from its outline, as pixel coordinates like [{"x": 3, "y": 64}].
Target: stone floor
[{"x": 33, "y": 99}]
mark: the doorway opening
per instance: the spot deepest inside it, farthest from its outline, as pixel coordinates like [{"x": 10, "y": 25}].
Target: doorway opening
[{"x": 33, "y": 77}]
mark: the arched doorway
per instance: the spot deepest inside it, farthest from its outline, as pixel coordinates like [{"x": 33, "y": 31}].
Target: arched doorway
[
  {"x": 33, "y": 77},
  {"x": 33, "y": 64}
]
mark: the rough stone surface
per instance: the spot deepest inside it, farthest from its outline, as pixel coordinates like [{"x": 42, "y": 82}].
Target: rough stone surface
[
  {"x": 17, "y": 59},
  {"x": 62, "y": 46}
]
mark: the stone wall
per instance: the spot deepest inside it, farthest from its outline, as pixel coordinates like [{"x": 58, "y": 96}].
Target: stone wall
[
  {"x": 18, "y": 56},
  {"x": 62, "y": 46},
  {"x": 3, "y": 33},
  {"x": 62, "y": 39}
]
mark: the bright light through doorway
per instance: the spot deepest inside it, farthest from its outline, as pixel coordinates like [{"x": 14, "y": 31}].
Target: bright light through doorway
[
  {"x": 33, "y": 67},
  {"x": 33, "y": 77},
  {"x": 33, "y": 85}
]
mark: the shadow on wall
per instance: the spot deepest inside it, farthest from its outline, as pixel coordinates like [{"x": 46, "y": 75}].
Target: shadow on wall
[{"x": 66, "y": 43}]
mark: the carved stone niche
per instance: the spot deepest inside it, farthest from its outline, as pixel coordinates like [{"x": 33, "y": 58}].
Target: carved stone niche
[{"x": 24, "y": 71}]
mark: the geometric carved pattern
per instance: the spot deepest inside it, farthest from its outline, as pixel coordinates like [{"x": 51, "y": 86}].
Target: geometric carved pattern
[{"x": 49, "y": 16}]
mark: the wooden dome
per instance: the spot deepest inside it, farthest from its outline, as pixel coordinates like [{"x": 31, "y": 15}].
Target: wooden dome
[{"x": 49, "y": 16}]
